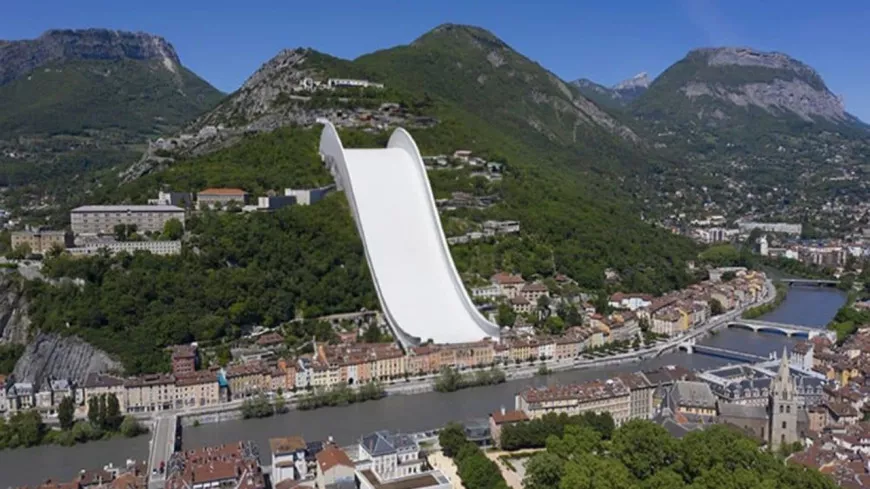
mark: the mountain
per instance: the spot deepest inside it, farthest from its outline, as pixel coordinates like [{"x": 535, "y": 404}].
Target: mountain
[
  {"x": 73, "y": 102},
  {"x": 617, "y": 96},
  {"x": 724, "y": 86},
  {"x": 478, "y": 71},
  {"x": 756, "y": 133}
]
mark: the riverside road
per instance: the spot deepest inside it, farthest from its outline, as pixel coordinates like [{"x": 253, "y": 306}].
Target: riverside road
[{"x": 811, "y": 306}]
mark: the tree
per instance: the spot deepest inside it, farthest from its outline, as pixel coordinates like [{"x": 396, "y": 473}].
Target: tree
[
  {"x": 66, "y": 413},
  {"x": 544, "y": 471},
  {"x": 576, "y": 441},
  {"x": 644, "y": 447},
  {"x": 113, "y": 416},
  {"x": 729, "y": 276},
  {"x": 121, "y": 232},
  {"x": 173, "y": 229},
  {"x": 452, "y": 438},
  {"x": 505, "y": 316},
  {"x": 543, "y": 306},
  {"x": 131, "y": 427},
  {"x": 20, "y": 252},
  {"x": 94, "y": 415},
  {"x": 102, "y": 411},
  {"x": 28, "y": 427},
  {"x": 716, "y": 307},
  {"x": 664, "y": 479}
]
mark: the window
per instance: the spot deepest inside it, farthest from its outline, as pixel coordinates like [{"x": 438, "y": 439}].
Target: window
[
  {"x": 784, "y": 423},
  {"x": 788, "y": 409},
  {"x": 781, "y": 408}
]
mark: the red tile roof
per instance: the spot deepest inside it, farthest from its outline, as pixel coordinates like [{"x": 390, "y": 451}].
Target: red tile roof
[{"x": 331, "y": 456}]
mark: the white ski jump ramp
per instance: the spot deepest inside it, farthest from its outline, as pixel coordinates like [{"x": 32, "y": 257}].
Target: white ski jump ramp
[{"x": 419, "y": 289}]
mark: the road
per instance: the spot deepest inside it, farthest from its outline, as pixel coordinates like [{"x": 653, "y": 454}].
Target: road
[{"x": 162, "y": 445}]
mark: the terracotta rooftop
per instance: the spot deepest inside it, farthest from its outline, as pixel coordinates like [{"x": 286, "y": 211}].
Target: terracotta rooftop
[
  {"x": 331, "y": 456},
  {"x": 587, "y": 391},
  {"x": 507, "y": 279},
  {"x": 512, "y": 416},
  {"x": 286, "y": 444},
  {"x": 223, "y": 191}
]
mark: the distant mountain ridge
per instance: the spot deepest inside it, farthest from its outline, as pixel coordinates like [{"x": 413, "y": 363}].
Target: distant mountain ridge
[
  {"x": 74, "y": 102},
  {"x": 722, "y": 85},
  {"x": 18, "y": 58},
  {"x": 616, "y": 96}
]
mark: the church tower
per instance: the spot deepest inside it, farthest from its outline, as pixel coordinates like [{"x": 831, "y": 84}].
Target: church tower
[{"x": 783, "y": 407}]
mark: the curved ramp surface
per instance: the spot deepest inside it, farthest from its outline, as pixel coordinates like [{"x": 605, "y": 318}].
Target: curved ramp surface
[{"x": 419, "y": 289}]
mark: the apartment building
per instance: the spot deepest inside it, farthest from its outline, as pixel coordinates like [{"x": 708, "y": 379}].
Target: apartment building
[
  {"x": 599, "y": 396},
  {"x": 233, "y": 465},
  {"x": 247, "y": 379},
  {"x": 197, "y": 389},
  {"x": 163, "y": 248},
  {"x": 212, "y": 197},
  {"x": 468, "y": 355},
  {"x": 41, "y": 241},
  {"x": 387, "y": 459},
  {"x": 502, "y": 418},
  {"x": 102, "y": 219},
  {"x": 508, "y": 284},
  {"x": 184, "y": 359},
  {"x": 96, "y": 385},
  {"x": 288, "y": 459},
  {"x": 149, "y": 393},
  {"x": 641, "y": 393}
]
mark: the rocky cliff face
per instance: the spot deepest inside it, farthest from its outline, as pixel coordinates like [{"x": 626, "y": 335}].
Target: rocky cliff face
[
  {"x": 721, "y": 84},
  {"x": 56, "y": 356},
  {"x": 46, "y": 355},
  {"x": 14, "y": 322},
  {"x": 18, "y": 58}
]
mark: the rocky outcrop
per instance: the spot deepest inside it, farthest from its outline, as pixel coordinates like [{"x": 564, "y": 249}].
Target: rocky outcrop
[
  {"x": 14, "y": 321},
  {"x": 66, "y": 357},
  {"x": 772, "y": 81},
  {"x": 21, "y": 57}
]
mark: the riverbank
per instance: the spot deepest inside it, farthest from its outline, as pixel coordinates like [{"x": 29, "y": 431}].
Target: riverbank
[
  {"x": 27, "y": 429},
  {"x": 426, "y": 410},
  {"x": 761, "y": 310}
]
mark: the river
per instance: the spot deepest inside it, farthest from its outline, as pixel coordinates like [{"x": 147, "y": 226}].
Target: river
[{"x": 805, "y": 306}]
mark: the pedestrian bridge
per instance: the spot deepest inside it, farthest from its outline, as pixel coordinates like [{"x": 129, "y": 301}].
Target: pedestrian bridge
[
  {"x": 780, "y": 328},
  {"x": 691, "y": 347}
]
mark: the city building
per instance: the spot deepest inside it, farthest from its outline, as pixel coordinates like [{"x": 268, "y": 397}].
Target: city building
[
  {"x": 232, "y": 465},
  {"x": 102, "y": 219},
  {"x": 770, "y": 227},
  {"x": 184, "y": 359},
  {"x": 113, "y": 247},
  {"x": 334, "y": 469},
  {"x": 641, "y": 393},
  {"x": 96, "y": 385},
  {"x": 386, "y": 459},
  {"x": 692, "y": 397},
  {"x": 211, "y": 197},
  {"x": 308, "y": 196},
  {"x": 41, "y": 242},
  {"x": 352, "y": 83},
  {"x": 782, "y": 421},
  {"x": 150, "y": 393},
  {"x": 508, "y": 284},
  {"x": 196, "y": 389},
  {"x": 288, "y": 459},
  {"x": 179, "y": 199},
  {"x": 502, "y": 418},
  {"x": 599, "y": 396},
  {"x": 275, "y": 202}
]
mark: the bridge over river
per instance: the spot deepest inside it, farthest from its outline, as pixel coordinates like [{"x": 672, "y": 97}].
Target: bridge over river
[
  {"x": 819, "y": 282},
  {"x": 691, "y": 347},
  {"x": 781, "y": 328}
]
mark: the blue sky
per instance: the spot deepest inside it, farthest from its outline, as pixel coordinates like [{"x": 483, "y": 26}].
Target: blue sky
[{"x": 224, "y": 42}]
